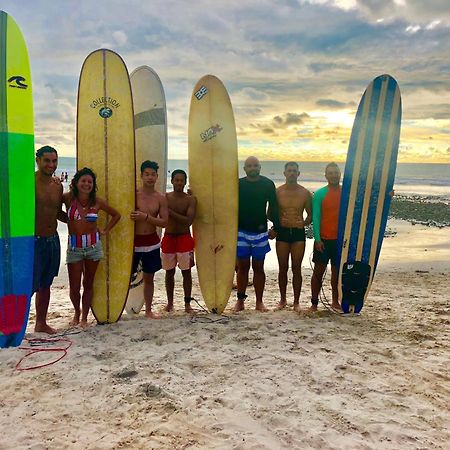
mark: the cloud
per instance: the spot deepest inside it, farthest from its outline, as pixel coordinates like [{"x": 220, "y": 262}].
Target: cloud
[{"x": 334, "y": 104}]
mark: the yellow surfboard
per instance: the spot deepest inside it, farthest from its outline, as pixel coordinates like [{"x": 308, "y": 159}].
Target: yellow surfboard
[
  {"x": 213, "y": 178},
  {"x": 105, "y": 143}
]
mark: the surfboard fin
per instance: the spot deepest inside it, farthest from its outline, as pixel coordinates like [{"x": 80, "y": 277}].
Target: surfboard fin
[
  {"x": 13, "y": 309},
  {"x": 355, "y": 280}
]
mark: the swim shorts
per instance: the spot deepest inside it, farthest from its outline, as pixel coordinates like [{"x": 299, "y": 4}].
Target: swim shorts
[
  {"x": 329, "y": 253},
  {"x": 252, "y": 245},
  {"x": 177, "y": 249},
  {"x": 291, "y": 235},
  {"x": 47, "y": 257},
  {"x": 146, "y": 250}
]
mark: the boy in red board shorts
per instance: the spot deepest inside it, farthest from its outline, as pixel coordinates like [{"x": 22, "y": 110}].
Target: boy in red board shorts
[
  {"x": 177, "y": 246},
  {"x": 151, "y": 213}
]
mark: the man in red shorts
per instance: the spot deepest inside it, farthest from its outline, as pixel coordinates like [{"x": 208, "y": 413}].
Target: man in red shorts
[{"x": 177, "y": 246}]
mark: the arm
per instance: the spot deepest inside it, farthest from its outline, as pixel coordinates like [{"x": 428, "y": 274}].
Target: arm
[
  {"x": 273, "y": 207},
  {"x": 115, "y": 215},
  {"x": 308, "y": 209},
  {"x": 190, "y": 213},
  {"x": 62, "y": 215}
]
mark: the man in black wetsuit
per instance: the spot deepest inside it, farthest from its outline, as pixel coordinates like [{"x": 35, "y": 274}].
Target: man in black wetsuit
[{"x": 255, "y": 193}]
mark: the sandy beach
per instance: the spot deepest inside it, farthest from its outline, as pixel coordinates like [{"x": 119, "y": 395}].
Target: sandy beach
[{"x": 251, "y": 381}]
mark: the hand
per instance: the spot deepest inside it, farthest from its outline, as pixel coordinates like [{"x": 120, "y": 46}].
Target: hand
[
  {"x": 299, "y": 223},
  {"x": 319, "y": 246},
  {"x": 138, "y": 215},
  {"x": 272, "y": 234},
  {"x": 56, "y": 180},
  {"x": 189, "y": 191},
  {"x": 102, "y": 232}
]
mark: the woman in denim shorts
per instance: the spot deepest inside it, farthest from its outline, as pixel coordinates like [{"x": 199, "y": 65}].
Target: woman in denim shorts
[{"x": 84, "y": 249}]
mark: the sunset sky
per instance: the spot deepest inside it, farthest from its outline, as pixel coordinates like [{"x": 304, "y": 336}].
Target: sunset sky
[{"x": 295, "y": 69}]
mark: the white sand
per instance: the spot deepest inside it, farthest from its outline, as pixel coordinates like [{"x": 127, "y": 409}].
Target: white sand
[{"x": 255, "y": 381}]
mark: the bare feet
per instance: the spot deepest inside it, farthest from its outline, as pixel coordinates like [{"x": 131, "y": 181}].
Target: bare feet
[
  {"x": 239, "y": 306},
  {"x": 188, "y": 309},
  {"x": 84, "y": 324},
  {"x": 44, "y": 328},
  {"x": 296, "y": 307},
  {"x": 313, "y": 308},
  {"x": 76, "y": 319},
  {"x": 261, "y": 307},
  {"x": 168, "y": 308},
  {"x": 281, "y": 305},
  {"x": 152, "y": 315},
  {"x": 336, "y": 306}
]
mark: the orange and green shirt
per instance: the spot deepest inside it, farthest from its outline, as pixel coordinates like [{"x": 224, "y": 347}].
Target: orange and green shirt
[{"x": 325, "y": 207}]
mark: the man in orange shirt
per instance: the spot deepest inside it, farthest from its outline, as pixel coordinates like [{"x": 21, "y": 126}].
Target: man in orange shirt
[{"x": 325, "y": 226}]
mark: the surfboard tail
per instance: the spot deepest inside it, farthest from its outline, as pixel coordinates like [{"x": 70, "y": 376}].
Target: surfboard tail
[{"x": 13, "y": 311}]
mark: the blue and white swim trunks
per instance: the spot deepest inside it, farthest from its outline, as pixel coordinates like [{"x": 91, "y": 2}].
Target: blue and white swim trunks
[{"x": 254, "y": 245}]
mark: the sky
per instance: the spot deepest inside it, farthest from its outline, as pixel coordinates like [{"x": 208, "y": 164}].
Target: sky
[{"x": 295, "y": 70}]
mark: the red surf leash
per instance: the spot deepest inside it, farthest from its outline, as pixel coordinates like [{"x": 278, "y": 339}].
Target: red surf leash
[{"x": 34, "y": 348}]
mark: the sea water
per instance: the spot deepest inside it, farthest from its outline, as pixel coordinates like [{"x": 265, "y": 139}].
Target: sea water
[{"x": 410, "y": 179}]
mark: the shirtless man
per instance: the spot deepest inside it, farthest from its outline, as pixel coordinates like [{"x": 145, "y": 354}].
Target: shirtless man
[
  {"x": 293, "y": 200},
  {"x": 47, "y": 250},
  {"x": 177, "y": 246},
  {"x": 151, "y": 213}
]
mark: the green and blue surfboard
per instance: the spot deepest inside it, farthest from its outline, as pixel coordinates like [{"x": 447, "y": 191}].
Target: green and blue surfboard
[{"x": 17, "y": 184}]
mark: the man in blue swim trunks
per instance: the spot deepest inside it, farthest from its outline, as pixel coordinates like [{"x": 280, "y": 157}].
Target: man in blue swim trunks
[
  {"x": 47, "y": 251},
  {"x": 256, "y": 192}
]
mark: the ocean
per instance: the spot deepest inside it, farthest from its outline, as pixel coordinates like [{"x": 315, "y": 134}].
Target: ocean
[{"x": 411, "y": 178}]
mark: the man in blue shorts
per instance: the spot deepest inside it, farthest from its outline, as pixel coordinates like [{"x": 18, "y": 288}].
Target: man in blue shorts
[
  {"x": 47, "y": 251},
  {"x": 256, "y": 192}
]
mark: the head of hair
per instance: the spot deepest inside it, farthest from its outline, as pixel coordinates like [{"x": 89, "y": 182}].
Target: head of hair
[
  {"x": 76, "y": 178},
  {"x": 149, "y": 165},
  {"x": 45, "y": 149},
  {"x": 331, "y": 164},
  {"x": 178, "y": 172},
  {"x": 291, "y": 163}
]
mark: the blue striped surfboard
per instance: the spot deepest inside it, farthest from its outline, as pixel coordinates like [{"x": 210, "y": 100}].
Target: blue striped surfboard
[{"x": 367, "y": 184}]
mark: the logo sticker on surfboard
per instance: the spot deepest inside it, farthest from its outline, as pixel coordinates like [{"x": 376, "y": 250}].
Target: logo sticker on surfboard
[
  {"x": 17, "y": 81},
  {"x": 201, "y": 92},
  {"x": 211, "y": 132},
  {"x": 106, "y": 104}
]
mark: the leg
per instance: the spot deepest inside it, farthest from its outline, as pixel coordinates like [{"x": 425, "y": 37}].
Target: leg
[
  {"x": 316, "y": 283},
  {"x": 75, "y": 270},
  {"x": 170, "y": 286},
  {"x": 148, "y": 295},
  {"x": 90, "y": 267},
  {"x": 42, "y": 301},
  {"x": 283, "y": 251},
  {"x": 334, "y": 289},
  {"x": 243, "y": 266},
  {"x": 187, "y": 288},
  {"x": 297, "y": 252},
  {"x": 259, "y": 281}
]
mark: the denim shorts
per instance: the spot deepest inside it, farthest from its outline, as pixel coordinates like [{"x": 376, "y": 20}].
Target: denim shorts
[{"x": 93, "y": 252}]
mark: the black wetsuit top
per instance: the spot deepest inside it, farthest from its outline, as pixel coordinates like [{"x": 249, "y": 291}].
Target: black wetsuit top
[{"x": 253, "y": 199}]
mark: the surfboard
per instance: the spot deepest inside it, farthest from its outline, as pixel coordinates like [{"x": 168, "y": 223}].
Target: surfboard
[
  {"x": 150, "y": 128},
  {"x": 105, "y": 143},
  {"x": 17, "y": 185},
  {"x": 213, "y": 178},
  {"x": 366, "y": 187}
]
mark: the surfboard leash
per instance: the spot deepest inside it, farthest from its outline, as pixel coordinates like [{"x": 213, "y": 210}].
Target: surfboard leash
[
  {"x": 204, "y": 316},
  {"x": 40, "y": 345}
]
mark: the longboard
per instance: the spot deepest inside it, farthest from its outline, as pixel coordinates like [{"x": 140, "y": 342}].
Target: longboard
[
  {"x": 213, "y": 178},
  {"x": 17, "y": 183},
  {"x": 150, "y": 128},
  {"x": 367, "y": 184},
  {"x": 105, "y": 143}
]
